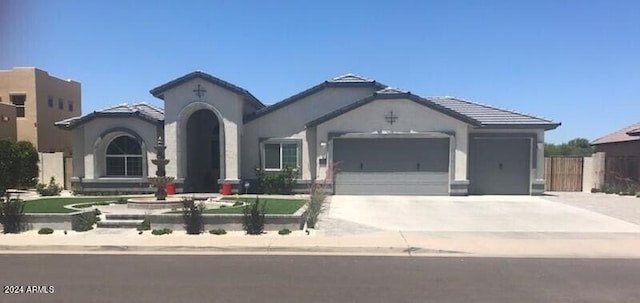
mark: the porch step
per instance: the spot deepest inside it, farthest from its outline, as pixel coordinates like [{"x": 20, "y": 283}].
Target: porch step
[
  {"x": 126, "y": 216},
  {"x": 119, "y": 223}
]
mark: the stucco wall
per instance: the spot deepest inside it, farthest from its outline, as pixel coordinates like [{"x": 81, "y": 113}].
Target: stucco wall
[
  {"x": 628, "y": 148},
  {"x": 289, "y": 122},
  {"x": 8, "y": 127},
  {"x": 96, "y": 135},
  {"x": 181, "y": 102},
  {"x": 51, "y": 165},
  {"x": 411, "y": 117}
]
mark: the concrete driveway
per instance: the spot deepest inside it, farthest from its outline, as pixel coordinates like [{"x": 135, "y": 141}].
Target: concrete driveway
[{"x": 493, "y": 214}]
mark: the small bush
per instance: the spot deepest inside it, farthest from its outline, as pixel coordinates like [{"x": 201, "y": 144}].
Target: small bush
[
  {"x": 595, "y": 190},
  {"x": 45, "y": 231},
  {"x": 284, "y": 231},
  {"x": 53, "y": 189},
  {"x": 160, "y": 232},
  {"x": 12, "y": 215},
  {"x": 253, "y": 217},
  {"x": 122, "y": 200},
  {"x": 219, "y": 231},
  {"x": 317, "y": 195},
  {"x": 145, "y": 225},
  {"x": 192, "y": 216},
  {"x": 86, "y": 223},
  {"x": 238, "y": 203},
  {"x": 277, "y": 182}
]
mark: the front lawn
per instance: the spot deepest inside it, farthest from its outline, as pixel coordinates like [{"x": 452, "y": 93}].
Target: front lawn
[{"x": 56, "y": 205}]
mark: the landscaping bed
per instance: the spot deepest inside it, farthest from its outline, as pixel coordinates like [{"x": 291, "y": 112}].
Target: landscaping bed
[{"x": 273, "y": 206}]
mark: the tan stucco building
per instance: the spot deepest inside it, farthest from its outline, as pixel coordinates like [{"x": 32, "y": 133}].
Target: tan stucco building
[
  {"x": 378, "y": 139},
  {"x": 39, "y": 100},
  {"x": 8, "y": 128}
]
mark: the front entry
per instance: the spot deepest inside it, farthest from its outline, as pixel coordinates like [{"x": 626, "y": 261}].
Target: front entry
[{"x": 203, "y": 152}]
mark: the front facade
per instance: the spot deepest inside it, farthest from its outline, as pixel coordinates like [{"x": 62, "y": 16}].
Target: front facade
[
  {"x": 39, "y": 100},
  {"x": 360, "y": 135}
]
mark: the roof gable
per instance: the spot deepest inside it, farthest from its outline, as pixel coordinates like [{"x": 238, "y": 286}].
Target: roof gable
[
  {"x": 348, "y": 80},
  {"x": 142, "y": 111},
  {"x": 159, "y": 91},
  {"x": 474, "y": 114},
  {"x": 629, "y": 133}
]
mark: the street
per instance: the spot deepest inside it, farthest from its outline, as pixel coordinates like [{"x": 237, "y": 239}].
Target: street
[{"x": 254, "y": 278}]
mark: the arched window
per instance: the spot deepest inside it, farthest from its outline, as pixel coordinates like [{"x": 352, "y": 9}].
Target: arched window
[{"x": 124, "y": 158}]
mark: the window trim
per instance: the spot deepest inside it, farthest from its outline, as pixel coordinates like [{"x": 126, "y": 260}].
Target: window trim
[{"x": 282, "y": 141}]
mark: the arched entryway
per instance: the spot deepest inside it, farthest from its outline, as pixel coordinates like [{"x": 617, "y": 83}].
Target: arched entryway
[{"x": 203, "y": 152}]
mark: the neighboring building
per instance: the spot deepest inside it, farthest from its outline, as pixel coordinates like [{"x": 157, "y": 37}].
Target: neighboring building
[
  {"x": 8, "y": 128},
  {"x": 624, "y": 142},
  {"x": 40, "y": 100},
  {"x": 380, "y": 140}
]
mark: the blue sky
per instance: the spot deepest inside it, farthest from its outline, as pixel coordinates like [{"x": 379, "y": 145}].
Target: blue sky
[{"x": 576, "y": 62}]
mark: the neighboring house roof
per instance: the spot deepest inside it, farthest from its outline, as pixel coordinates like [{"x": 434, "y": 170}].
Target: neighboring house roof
[
  {"x": 348, "y": 80},
  {"x": 141, "y": 110},
  {"x": 634, "y": 132},
  {"x": 158, "y": 92},
  {"x": 475, "y": 114},
  {"x": 629, "y": 133}
]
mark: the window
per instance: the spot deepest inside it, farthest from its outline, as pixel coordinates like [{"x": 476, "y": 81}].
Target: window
[
  {"x": 60, "y": 104},
  {"x": 280, "y": 155},
  {"x": 70, "y": 105},
  {"x": 19, "y": 101},
  {"x": 124, "y": 158},
  {"x": 50, "y": 101}
]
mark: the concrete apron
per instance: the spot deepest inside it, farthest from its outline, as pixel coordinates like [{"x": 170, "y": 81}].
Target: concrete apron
[{"x": 473, "y": 214}]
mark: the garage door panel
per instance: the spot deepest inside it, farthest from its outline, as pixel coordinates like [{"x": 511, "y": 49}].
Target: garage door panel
[
  {"x": 392, "y": 183},
  {"x": 500, "y": 166},
  {"x": 392, "y": 155},
  {"x": 416, "y": 166}
]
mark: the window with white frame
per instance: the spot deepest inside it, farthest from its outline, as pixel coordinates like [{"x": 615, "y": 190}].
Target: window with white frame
[
  {"x": 278, "y": 155},
  {"x": 124, "y": 158}
]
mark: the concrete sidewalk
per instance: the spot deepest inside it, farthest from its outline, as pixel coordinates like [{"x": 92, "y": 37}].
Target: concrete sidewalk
[{"x": 570, "y": 245}]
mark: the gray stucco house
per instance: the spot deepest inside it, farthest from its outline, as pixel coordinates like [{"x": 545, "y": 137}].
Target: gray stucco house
[{"x": 378, "y": 140}]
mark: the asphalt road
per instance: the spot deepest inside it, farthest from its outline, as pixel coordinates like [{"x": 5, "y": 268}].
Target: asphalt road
[{"x": 181, "y": 278}]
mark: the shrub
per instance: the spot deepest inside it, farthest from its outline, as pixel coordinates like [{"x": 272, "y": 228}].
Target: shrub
[
  {"x": 595, "y": 190},
  {"x": 238, "y": 203},
  {"x": 253, "y": 217},
  {"x": 122, "y": 200},
  {"x": 145, "y": 225},
  {"x": 219, "y": 231},
  {"x": 284, "y": 231},
  {"x": 277, "y": 183},
  {"x": 53, "y": 189},
  {"x": 12, "y": 215},
  {"x": 87, "y": 222},
  {"x": 160, "y": 232},
  {"x": 45, "y": 231},
  {"x": 18, "y": 165},
  {"x": 317, "y": 197},
  {"x": 192, "y": 216}
]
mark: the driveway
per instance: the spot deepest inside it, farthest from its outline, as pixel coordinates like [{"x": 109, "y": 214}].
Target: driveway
[{"x": 491, "y": 214}]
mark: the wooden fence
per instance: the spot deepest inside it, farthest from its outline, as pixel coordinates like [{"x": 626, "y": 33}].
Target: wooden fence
[
  {"x": 622, "y": 173},
  {"x": 563, "y": 173}
]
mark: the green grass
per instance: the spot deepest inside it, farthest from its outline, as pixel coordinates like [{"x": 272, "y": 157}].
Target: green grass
[
  {"x": 274, "y": 207},
  {"x": 56, "y": 205}
]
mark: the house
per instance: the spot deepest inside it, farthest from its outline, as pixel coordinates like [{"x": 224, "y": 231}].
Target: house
[
  {"x": 38, "y": 100},
  {"x": 377, "y": 139},
  {"x": 623, "y": 142}
]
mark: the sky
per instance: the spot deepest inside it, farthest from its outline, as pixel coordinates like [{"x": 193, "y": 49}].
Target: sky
[{"x": 575, "y": 62}]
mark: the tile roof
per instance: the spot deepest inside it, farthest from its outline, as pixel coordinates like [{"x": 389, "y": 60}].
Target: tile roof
[
  {"x": 491, "y": 116},
  {"x": 142, "y": 110},
  {"x": 350, "y": 78},
  {"x": 629, "y": 133}
]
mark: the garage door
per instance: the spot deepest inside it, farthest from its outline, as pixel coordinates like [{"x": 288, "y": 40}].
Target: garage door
[
  {"x": 392, "y": 166},
  {"x": 500, "y": 166}
]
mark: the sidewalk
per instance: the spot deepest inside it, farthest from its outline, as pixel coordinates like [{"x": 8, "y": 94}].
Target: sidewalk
[{"x": 583, "y": 245}]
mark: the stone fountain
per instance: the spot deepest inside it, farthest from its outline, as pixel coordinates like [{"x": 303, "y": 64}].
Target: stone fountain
[{"x": 160, "y": 181}]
